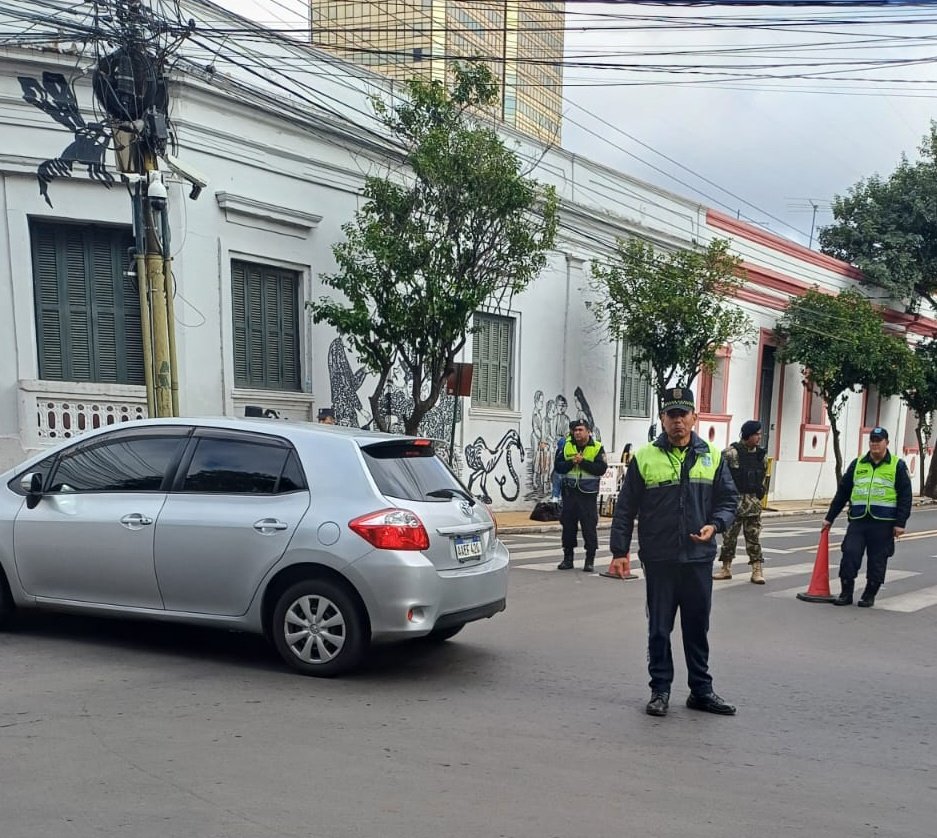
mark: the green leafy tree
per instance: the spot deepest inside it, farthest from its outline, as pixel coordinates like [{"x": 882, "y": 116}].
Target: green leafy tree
[
  {"x": 920, "y": 394},
  {"x": 887, "y": 227},
  {"x": 674, "y": 308},
  {"x": 460, "y": 227},
  {"x": 841, "y": 343}
]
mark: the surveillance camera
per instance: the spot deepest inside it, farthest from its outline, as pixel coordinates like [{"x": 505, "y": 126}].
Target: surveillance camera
[
  {"x": 193, "y": 176},
  {"x": 156, "y": 192}
]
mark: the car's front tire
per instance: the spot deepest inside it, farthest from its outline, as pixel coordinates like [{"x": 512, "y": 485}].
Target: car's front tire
[
  {"x": 318, "y": 629},
  {"x": 6, "y": 601}
]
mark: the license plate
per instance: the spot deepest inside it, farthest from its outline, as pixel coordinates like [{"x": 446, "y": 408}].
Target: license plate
[{"x": 468, "y": 547}]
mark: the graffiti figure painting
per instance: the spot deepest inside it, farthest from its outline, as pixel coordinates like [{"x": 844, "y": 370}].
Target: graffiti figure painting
[
  {"x": 484, "y": 461},
  {"x": 55, "y": 97},
  {"x": 345, "y": 385}
]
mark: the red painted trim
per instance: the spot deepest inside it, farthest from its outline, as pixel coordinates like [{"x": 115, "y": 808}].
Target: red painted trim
[
  {"x": 805, "y": 410},
  {"x": 824, "y": 431},
  {"x": 775, "y": 242},
  {"x": 759, "y": 299}
]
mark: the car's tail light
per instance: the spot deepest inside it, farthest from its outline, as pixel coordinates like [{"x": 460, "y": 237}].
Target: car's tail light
[
  {"x": 494, "y": 518},
  {"x": 392, "y": 529}
]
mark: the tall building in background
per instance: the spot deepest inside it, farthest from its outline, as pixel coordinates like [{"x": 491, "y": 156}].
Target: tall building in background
[{"x": 521, "y": 41}]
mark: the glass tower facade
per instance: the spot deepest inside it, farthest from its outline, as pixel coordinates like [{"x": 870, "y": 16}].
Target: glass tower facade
[{"x": 521, "y": 42}]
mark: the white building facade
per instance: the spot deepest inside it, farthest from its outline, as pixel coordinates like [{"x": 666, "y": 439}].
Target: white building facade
[{"x": 251, "y": 251}]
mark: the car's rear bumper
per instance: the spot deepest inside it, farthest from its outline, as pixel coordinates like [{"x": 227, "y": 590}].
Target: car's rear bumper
[{"x": 410, "y": 598}]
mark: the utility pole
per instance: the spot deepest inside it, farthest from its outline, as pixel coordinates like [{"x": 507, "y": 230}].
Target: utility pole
[{"x": 129, "y": 84}]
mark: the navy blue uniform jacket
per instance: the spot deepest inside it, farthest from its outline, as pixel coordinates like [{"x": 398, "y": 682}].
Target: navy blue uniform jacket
[{"x": 669, "y": 514}]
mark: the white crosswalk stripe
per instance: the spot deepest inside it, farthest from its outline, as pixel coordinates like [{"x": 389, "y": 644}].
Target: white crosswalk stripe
[{"x": 542, "y": 554}]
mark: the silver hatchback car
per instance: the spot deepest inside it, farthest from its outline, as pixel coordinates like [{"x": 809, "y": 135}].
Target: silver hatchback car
[{"x": 323, "y": 539}]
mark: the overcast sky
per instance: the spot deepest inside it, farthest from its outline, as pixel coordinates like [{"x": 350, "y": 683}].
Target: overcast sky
[{"x": 778, "y": 144}]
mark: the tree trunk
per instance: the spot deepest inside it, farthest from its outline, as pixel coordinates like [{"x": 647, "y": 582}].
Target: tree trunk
[
  {"x": 930, "y": 485},
  {"x": 837, "y": 453},
  {"x": 922, "y": 450},
  {"x": 380, "y": 409}
]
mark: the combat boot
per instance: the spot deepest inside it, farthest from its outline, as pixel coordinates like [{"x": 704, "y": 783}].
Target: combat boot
[
  {"x": 725, "y": 573},
  {"x": 845, "y": 595},
  {"x": 567, "y": 563},
  {"x": 758, "y": 576},
  {"x": 589, "y": 565},
  {"x": 867, "y": 600}
]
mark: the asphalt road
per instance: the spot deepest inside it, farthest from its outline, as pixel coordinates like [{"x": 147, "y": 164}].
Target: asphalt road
[{"x": 529, "y": 724}]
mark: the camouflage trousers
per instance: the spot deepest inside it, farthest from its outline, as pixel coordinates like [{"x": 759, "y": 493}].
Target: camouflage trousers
[{"x": 748, "y": 521}]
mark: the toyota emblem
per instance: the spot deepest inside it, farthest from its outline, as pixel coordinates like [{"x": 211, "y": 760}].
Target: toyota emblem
[{"x": 466, "y": 508}]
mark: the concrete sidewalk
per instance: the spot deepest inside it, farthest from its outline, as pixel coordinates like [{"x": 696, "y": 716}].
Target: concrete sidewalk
[{"x": 518, "y": 521}]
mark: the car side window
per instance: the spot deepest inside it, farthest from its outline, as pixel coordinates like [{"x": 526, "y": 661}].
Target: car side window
[
  {"x": 136, "y": 464},
  {"x": 240, "y": 466}
]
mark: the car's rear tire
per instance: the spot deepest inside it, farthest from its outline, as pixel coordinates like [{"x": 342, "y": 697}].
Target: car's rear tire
[
  {"x": 445, "y": 633},
  {"x": 318, "y": 629},
  {"x": 6, "y": 601}
]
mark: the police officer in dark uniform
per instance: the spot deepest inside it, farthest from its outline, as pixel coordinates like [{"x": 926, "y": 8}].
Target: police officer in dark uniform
[
  {"x": 582, "y": 461},
  {"x": 682, "y": 492},
  {"x": 878, "y": 489}
]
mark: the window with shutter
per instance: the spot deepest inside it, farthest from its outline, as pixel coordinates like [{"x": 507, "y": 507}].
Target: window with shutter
[
  {"x": 87, "y": 304},
  {"x": 265, "y": 309},
  {"x": 635, "y": 398},
  {"x": 493, "y": 361}
]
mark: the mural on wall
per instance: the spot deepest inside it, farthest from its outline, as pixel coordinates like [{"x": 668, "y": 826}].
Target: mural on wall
[
  {"x": 396, "y": 403},
  {"x": 345, "y": 385},
  {"x": 549, "y": 424},
  {"x": 55, "y": 97},
  {"x": 485, "y": 461}
]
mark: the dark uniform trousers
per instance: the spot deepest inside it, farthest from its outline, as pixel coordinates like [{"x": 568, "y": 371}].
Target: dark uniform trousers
[
  {"x": 877, "y": 540},
  {"x": 689, "y": 587},
  {"x": 580, "y": 509}
]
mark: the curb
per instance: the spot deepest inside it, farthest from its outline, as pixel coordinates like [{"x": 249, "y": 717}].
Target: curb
[{"x": 606, "y": 523}]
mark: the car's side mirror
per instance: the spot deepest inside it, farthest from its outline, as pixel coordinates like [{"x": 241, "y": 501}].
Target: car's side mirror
[{"x": 31, "y": 484}]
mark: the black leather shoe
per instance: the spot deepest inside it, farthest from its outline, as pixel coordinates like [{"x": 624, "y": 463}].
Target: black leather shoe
[
  {"x": 589, "y": 566},
  {"x": 710, "y": 703},
  {"x": 658, "y": 704},
  {"x": 867, "y": 601},
  {"x": 843, "y": 599},
  {"x": 566, "y": 564}
]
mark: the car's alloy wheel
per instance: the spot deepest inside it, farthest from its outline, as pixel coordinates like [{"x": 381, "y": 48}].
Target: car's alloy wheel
[{"x": 318, "y": 629}]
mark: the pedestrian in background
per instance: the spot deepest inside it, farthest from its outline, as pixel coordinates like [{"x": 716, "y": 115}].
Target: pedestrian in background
[
  {"x": 581, "y": 462},
  {"x": 326, "y": 416},
  {"x": 746, "y": 463},
  {"x": 878, "y": 489},
  {"x": 679, "y": 488}
]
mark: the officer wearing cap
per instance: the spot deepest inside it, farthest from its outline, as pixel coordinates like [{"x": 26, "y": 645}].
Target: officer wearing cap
[
  {"x": 679, "y": 488},
  {"x": 582, "y": 461},
  {"x": 878, "y": 490},
  {"x": 326, "y": 416},
  {"x": 745, "y": 460}
]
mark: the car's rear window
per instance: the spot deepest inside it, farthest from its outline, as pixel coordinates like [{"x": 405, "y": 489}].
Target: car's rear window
[{"x": 410, "y": 471}]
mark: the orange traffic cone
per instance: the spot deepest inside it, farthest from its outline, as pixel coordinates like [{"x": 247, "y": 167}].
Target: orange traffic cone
[
  {"x": 622, "y": 574},
  {"x": 819, "y": 589}
]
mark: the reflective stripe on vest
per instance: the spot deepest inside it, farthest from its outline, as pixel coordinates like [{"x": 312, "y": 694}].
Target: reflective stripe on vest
[
  {"x": 660, "y": 468},
  {"x": 577, "y": 476},
  {"x": 873, "y": 491}
]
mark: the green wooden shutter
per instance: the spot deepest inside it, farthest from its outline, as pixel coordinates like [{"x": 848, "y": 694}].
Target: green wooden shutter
[
  {"x": 265, "y": 310},
  {"x": 493, "y": 361},
  {"x": 635, "y": 390},
  {"x": 87, "y": 308}
]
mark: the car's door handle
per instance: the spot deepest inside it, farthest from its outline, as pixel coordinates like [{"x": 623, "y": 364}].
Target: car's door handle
[
  {"x": 135, "y": 521},
  {"x": 270, "y": 525}
]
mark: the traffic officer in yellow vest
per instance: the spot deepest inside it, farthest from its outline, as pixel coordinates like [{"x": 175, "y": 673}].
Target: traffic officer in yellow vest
[
  {"x": 878, "y": 488},
  {"x": 682, "y": 493},
  {"x": 582, "y": 462}
]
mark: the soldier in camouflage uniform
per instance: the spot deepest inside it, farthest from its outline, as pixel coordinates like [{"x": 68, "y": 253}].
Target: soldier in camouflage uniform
[{"x": 746, "y": 463}]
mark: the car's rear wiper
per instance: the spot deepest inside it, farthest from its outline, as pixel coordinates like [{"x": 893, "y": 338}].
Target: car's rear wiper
[{"x": 451, "y": 493}]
